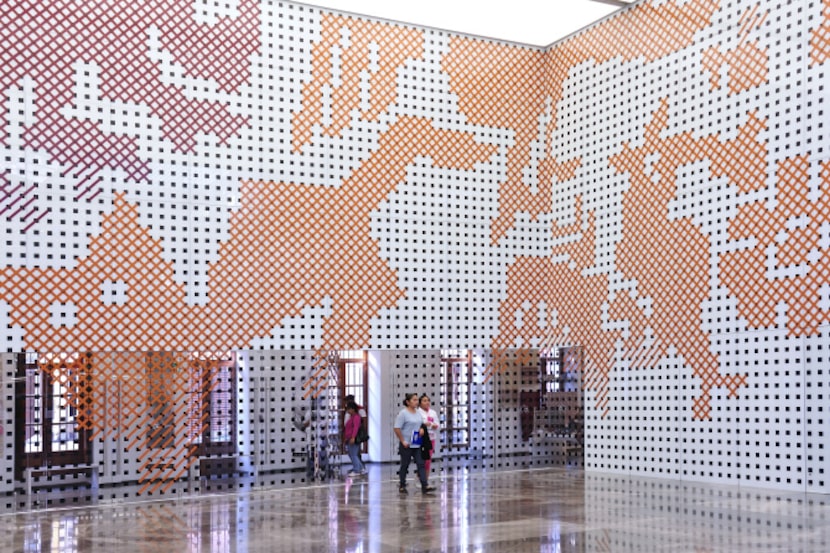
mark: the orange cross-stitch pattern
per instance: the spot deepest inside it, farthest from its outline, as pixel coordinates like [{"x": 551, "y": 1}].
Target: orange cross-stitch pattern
[
  {"x": 294, "y": 245},
  {"x": 153, "y": 402},
  {"x": 747, "y": 65},
  {"x": 312, "y": 242},
  {"x": 570, "y": 300},
  {"x": 787, "y": 264},
  {"x": 396, "y": 44},
  {"x": 290, "y": 246},
  {"x": 820, "y": 38},
  {"x": 499, "y": 85},
  {"x": 670, "y": 258}
]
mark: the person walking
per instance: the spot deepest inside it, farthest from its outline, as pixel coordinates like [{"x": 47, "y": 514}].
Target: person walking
[
  {"x": 409, "y": 432},
  {"x": 364, "y": 422},
  {"x": 360, "y": 409},
  {"x": 430, "y": 418},
  {"x": 350, "y": 437}
]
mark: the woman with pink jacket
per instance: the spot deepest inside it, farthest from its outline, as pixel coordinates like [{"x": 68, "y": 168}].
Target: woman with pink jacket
[{"x": 349, "y": 435}]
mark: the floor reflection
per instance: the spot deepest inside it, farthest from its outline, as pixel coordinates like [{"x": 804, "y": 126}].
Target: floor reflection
[{"x": 547, "y": 510}]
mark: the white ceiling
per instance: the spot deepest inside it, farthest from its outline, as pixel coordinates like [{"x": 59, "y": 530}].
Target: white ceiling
[{"x": 533, "y": 22}]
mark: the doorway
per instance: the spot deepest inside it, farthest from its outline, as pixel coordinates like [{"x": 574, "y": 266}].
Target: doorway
[{"x": 47, "y": 433}]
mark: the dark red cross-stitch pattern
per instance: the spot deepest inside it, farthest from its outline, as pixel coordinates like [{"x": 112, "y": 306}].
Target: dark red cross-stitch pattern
[{"x": 44, "y": 42}]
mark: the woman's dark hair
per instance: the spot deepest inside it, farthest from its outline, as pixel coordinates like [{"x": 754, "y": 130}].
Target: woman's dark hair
[
  {"x": 407, "y": 397},
  {"x": 351, "y": 405}
]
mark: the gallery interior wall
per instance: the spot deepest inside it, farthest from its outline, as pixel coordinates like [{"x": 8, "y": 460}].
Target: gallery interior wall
[{"x": 267, "y": 177}]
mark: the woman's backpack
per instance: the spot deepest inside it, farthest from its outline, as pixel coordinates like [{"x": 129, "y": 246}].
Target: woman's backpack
[{"x": 362, "y": 432}]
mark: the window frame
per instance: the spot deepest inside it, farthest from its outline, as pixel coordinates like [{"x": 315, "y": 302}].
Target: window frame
[
  {"x": 41, "y": 380},
  {"x": 206, "y": 393},
  {"x": 345, "y": 383},
  {"x": 454, "y": 409}
]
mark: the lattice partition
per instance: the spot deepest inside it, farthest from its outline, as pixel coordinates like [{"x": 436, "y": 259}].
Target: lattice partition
[{"x": 291, "y": 181}]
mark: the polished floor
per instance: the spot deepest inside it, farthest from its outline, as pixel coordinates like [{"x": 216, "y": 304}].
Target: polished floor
[{"x": 542, "y": 510}]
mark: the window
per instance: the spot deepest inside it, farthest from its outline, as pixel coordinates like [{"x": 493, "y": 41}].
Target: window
[
  {"x": 553, "y": 377},
  {"x": 456, "y": 379},
  {"x": 46, "y": 423},
  {"x": 560, "y": 369},
  {"x": 212, "y": 417},
  {"x": 352, "y": 379},
  {"x": 353, "y": 370},
  {"x": 195, "y": 389}
]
